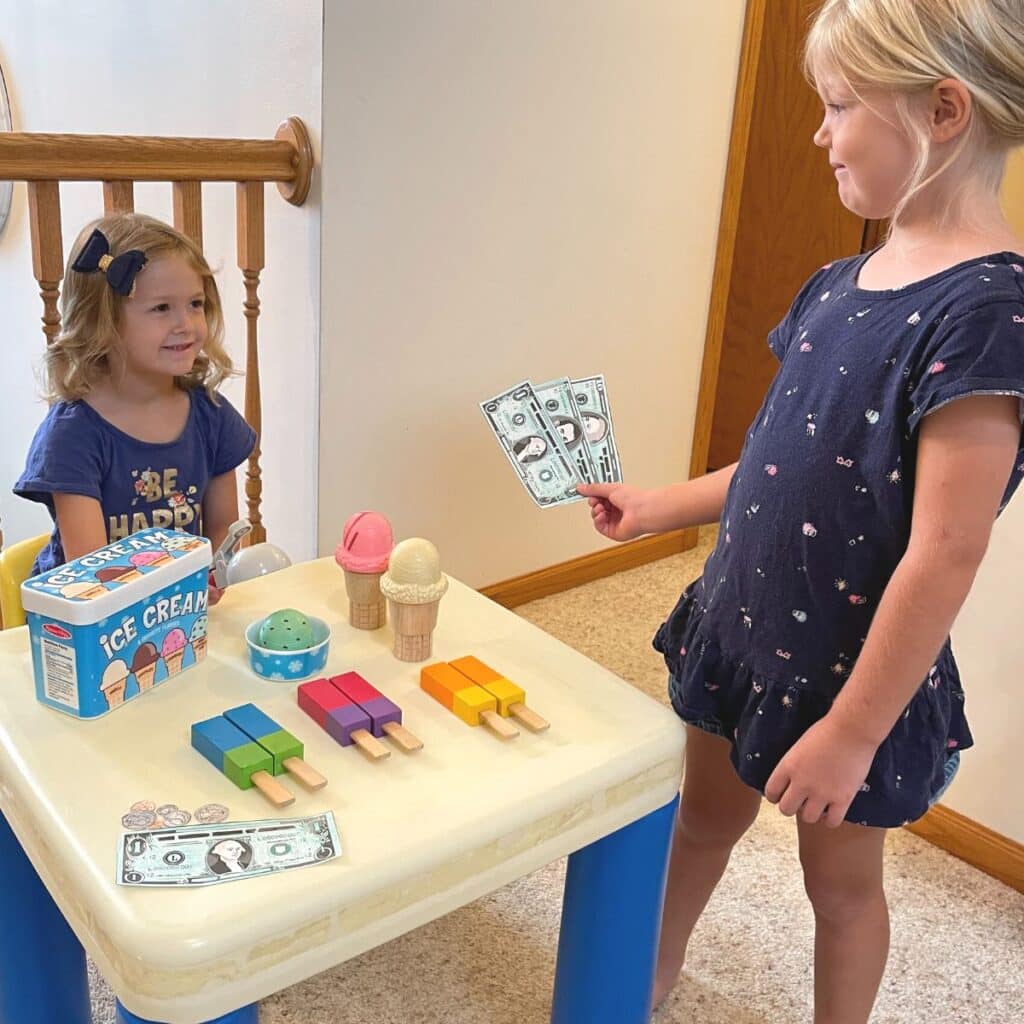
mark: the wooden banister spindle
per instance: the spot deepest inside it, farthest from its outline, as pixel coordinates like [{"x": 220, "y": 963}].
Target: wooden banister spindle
[
  {"x": 249, "y": 206},
  {"x": 188, "y": 209},
  {"x": 47, "y": 249},
  {"x": 118, "y": 197}
]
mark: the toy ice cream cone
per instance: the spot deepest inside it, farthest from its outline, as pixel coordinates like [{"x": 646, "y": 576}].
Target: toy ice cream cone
[
  {"x": 144, "y": 666},
  {"x": 115, "y": 681},
  {"x": 363, "y": 553},
  {"x": 414, "y": 586},
  {"x": 173, "y": 650}
]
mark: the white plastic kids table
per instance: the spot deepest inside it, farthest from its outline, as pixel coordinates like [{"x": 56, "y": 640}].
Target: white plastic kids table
[{"x": 421, "y": 834}]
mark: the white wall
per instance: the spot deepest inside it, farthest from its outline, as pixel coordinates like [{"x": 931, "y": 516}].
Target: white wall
[
  {"x": 512, "y": 190},
  {"x": 225, "y": 68},
  {"x": 989, "y": 645}
]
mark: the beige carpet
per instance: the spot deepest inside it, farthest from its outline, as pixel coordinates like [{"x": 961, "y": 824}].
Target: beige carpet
[{"x": 958, "y": 936}]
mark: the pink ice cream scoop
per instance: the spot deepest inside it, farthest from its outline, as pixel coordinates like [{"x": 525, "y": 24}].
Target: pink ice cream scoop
[
  {"x": 366, "y": 543},
  {"x": 174, "y": 641}
]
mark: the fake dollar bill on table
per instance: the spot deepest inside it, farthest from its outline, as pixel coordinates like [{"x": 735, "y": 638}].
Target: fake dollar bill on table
[
  {"x": 533, "y": 445},
  {"x": 557, "y": 399},
  {"x": 595, "y": 415},
  {"x": 205, "y": 855}
]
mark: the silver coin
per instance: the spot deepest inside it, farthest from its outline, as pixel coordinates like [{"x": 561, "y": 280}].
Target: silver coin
[
  {"x": 175, "y": 819},
  {"x": 143, "y": 805},
  {"x": 210, "y": 814},
  {"x": 138, "y": 819},
  {"x": 164, "y": 809}
]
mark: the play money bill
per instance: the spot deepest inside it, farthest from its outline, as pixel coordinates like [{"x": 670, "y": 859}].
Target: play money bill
[
  {"x": 533, "y": 445},
  {"x": 557, "y": 399},
  {"x": 207, "y": 854},
  {"x": 595, "y": 415}
]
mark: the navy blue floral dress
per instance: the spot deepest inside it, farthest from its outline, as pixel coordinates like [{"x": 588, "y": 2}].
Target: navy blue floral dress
[{"x": 818, "y": 515}]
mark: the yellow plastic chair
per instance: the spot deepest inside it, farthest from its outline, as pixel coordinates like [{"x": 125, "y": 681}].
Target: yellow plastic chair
[{"x": 15, "y": 565}]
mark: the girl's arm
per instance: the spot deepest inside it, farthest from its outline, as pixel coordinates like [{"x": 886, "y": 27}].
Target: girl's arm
[
  {"x": 220, "y": 511},
  {"x": 622, "y": 512},
  {"x": 80, "y": 524},
  {"x": 965, "y": 457}
]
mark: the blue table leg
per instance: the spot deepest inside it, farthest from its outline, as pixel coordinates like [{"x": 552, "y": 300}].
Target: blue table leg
[
  {"x": 611, "y": 919},
  {"x": 247, "y": 1015},
  {"x": 42, "y": 965}
]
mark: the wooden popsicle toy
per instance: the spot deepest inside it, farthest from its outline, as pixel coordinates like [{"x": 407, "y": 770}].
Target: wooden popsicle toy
[
  {"x": 510, "y": 697},
  {"x": 340, "y": 716},
  {"x": 286, "y": 750},
  {"x": 472, "y": 703},
  {"x": 244, "y": 762},
  {"x": 385, "y": 715}
]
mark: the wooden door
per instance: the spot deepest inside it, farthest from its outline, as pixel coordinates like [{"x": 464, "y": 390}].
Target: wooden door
[{"x": 781, "y": 220}]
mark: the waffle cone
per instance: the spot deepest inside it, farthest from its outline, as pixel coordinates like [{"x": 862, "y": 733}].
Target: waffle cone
[
  {"x": 366, "y": 606},
  {"x": 414, "y": 629},
  {"x": 146, "y": 676},
  {"x": 173, "y": 662}
]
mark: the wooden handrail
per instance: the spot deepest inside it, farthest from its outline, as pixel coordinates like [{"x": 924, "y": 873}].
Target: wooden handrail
[{"x": 286, "y": 159}]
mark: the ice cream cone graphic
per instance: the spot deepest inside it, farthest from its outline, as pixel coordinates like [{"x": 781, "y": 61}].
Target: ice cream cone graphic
[
  {"x": 173, "y": 651},
  {"x": 144, "y": 665},
  {"x": 197, "y": 638},
  {"x": 114, "y": 683}
]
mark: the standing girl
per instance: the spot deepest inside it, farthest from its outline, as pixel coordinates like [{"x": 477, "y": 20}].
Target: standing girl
[{"x": 811, "y": 661}]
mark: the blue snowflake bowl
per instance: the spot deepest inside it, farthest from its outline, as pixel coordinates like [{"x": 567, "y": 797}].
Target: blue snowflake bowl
[{"x": 288, "y": 666}]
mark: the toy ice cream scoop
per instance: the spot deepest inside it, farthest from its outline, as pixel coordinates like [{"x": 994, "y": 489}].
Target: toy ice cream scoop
[
  {"x": 144, "y": 665},
  {"x": 363, "y": 553},
  {"x": 173, "y": 650},
  {"x": 197, "y": 638},
  {"x": 414, "y": 586},
  {"x": 115, "y": 680},
  {"x": 286, "y": 630}
]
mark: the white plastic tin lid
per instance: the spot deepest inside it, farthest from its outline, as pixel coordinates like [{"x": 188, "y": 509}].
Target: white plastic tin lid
[{"x": 114, "y": 577}]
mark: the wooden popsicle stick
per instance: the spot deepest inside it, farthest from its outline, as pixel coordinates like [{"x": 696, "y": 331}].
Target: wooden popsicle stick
[
  {"x": 277, "y": 794},
  {"x": 308, "y": 776},
  {"x": 403, "y": 737},
  {"x": 370, "y": 745},
  {"x": 499, "y": 726},
  {"x": 529, "y": 717}
]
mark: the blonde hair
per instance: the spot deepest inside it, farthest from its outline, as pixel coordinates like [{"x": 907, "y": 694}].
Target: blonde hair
[
  {"x": 905, "y": 47},
  {"x": 91, "y": 311}
]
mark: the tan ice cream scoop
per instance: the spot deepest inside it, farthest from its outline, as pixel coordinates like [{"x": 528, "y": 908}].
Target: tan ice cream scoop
[{"x": 414, "y": 573}]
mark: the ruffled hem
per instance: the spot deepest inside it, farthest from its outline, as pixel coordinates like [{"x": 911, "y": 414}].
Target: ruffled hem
[{"x": 762, "y": 718}]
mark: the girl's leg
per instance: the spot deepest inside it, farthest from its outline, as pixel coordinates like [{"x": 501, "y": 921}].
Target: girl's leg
[
  {"x": 715, "y": 810},
  {"x": 843, "y": 878}
]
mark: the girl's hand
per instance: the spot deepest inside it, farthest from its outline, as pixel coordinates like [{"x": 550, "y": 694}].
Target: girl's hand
[
  {"x": 615, "y": 509},
  {"x": 821, "y": 774},
  {"x": 214, "y": 592}
]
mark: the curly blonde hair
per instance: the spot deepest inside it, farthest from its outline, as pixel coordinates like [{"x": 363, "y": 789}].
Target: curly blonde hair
[
  {"x": 905, "y": 47},
  {"x": 91, "y": 311}
]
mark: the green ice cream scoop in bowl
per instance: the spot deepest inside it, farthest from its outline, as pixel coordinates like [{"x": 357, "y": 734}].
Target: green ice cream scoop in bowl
[{"x": 287, "y": 645}]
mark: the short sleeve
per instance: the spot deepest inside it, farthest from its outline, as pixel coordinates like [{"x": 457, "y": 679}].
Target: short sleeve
[
  {"x": 780, "y": 336},
  {"x": 65, "y": 457},
  {"x": 980, "y": 352},
  {"x": 233, "y": 439}
]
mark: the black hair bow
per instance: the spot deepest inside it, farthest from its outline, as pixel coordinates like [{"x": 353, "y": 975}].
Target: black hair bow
[{"x": 120, "y": 270}]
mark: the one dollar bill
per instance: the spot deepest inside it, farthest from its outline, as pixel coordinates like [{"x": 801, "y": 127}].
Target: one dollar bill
[
  {"x": 557, "y": 399},
  {"x": 595, "y": 414},
  {"x": 205, "y": 855},
  {"x": 533, "y": 445}
]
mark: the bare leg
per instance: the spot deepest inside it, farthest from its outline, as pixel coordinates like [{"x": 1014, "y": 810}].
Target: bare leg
[
  {"x": 715, "y": 810},
  {"x": 843, "y": 878}
]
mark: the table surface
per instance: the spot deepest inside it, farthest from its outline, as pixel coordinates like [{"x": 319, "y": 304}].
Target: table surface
[{"x": 421, "y": 834}]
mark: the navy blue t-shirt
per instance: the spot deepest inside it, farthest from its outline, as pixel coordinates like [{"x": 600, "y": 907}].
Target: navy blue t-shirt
[
  {"x": 818, "y": 516},
  {"x": 137, "y": 483}
]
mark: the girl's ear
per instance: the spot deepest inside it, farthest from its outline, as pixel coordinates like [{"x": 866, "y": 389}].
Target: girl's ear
[{"x": 950, "y": 110}]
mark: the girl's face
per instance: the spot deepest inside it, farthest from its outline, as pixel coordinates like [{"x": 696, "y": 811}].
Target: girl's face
[
  {"x": 871, "y": 156},
  {"x": 164, "y": 323}
]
